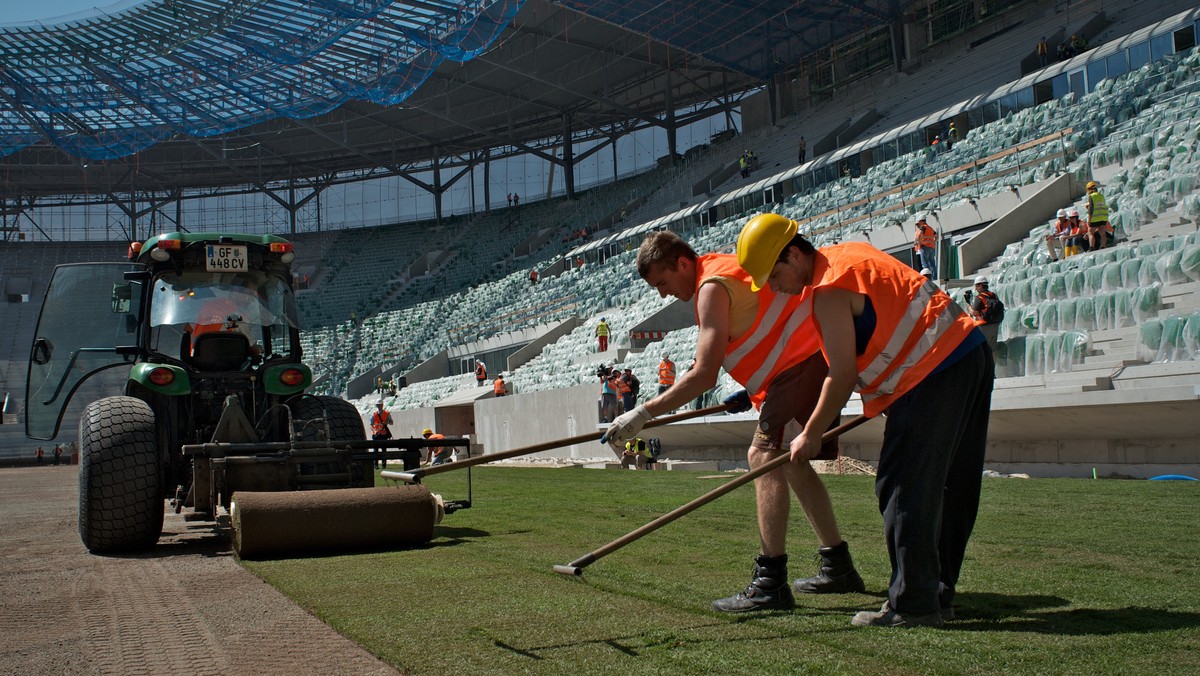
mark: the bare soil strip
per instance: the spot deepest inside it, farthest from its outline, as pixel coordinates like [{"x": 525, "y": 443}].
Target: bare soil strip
[{"x": 183, "y": 607}]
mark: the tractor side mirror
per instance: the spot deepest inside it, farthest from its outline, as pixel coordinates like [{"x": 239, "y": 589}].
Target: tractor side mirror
[{"x": 42, "y": 350}]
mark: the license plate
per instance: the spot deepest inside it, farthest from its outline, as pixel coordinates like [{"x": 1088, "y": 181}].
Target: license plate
[{"x": 225, "y": 258}]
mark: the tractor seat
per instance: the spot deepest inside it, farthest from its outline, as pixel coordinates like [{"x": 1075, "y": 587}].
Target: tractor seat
[{"x": 220, "y": 351}]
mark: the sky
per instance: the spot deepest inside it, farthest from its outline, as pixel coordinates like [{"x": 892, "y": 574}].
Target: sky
[{"x": 17, "y": 11}]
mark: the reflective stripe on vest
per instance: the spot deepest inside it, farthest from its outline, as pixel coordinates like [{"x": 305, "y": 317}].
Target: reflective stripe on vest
[
  {"x": 926, "y": 237},
  {"x": 379, "y": 423},
  {"x": 917, "y": 324},
  {"x": 1099, "y": 208},
  {"x": 780, "y": 337},
  {"x": 666, "y": 373},
  {"x": 602, "y": 329}
]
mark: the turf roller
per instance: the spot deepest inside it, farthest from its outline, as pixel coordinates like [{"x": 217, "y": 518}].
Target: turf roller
[
  {"x": 575, "y": 568},
  {"x": 267, "y": 524},
  {"x": 415, "y": 476}
]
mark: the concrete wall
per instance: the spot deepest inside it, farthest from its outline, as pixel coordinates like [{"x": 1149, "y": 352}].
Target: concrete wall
[
  {"x": 1028, "y": 206},
  {"x": 504, "y": 423}
]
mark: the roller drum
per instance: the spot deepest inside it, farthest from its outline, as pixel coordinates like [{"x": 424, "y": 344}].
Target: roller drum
[{"x": 268, "y": 524}]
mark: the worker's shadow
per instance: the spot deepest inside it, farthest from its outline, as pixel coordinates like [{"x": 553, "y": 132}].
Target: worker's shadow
[
  {"x": 444, "y": 536},
  {"x": 1052, "y": 615}
]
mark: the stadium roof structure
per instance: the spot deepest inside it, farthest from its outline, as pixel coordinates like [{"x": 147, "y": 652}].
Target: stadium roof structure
[{"x": 166, "y": 96}]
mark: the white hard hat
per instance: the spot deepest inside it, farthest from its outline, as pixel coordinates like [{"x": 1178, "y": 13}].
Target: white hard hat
[
  {"x": 666, "y": 355},
  {"x": 1062, "y": 213},
  {"x": 921, "y": 216},
  {"x": 927, "y": 272},
  {"x": 981, "y": 280}
]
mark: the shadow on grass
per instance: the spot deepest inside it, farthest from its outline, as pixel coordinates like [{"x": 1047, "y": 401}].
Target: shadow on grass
[
  {"x": 1047, "y": 615},
  {"x": 618, "y": 643},
  {"x": 449, "y": 537}
]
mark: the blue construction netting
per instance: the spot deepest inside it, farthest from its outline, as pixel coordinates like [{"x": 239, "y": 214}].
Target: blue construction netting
[{"x": 110, "y": 86}]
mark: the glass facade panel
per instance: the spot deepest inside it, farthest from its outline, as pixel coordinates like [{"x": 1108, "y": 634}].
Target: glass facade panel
[
  {"x": 1096, "y": 71},
  {"x": 1025, "y": 98},
  {"x": 1118, "y": 64},
  {"x": 1077, "y": 84},
  {"x": 1139, "y": 55},
  {"x": 1185, "y": 39},
  {"x": 1161, "y": 46},
  {"x": 1059, "y": 86}
]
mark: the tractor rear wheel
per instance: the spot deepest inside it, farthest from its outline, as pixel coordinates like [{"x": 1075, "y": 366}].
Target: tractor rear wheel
[{"x": 120, "y": 496}]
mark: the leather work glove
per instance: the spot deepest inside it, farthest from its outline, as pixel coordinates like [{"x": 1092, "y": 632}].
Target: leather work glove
[
  {"x": 738, "y": 402},
  {"x": 625, "y": 427}
]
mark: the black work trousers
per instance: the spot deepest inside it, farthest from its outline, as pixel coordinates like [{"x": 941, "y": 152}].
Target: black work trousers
[{"x": 930, "y": 473}]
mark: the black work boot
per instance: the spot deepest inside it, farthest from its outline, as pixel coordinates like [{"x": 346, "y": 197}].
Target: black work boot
[
  {"x": 768, "y": 589},
  {"x": 835, "y": 575}
]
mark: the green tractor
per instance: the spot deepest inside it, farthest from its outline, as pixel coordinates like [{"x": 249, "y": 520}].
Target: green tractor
[{"x": 215, "y": 398}]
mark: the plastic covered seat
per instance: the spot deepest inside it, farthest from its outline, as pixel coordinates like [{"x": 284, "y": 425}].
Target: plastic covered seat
[
  {"x": 1037, "y": 287},
  {"x": 1189, "y": 262},
  {"x": 1130, "y": 270},
  {"x": 1191, "y": 335},
  {"x": 1075, "y": 283},
  {"x": 1172, "y": 347},
  {"x": 1085, "y": 314},
  {"x": 1093, "y": 279},
  {"x": 1066, "y": 313},
  {"x": 1056, "y": 286},
  {"x": 1110, "y": 276},
  {"x": 1035, "y": 355},
  {"x": 1149, "y": 340},
  {"x": 1103, "y": 303},
  {"x": 1123, "y": 308},
  {"x": 1047, "y": 316},
  {"x": 1168, "y": 267}
]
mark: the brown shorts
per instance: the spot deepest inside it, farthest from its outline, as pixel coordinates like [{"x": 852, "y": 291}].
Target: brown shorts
[{"x": 791, "y": 398}]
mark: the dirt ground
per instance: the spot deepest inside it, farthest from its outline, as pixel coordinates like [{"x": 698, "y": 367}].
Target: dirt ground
[{"x": 185, "y": 607}]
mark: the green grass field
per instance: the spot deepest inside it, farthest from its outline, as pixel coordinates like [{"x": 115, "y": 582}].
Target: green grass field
[{"x": 1062, "y": 576}]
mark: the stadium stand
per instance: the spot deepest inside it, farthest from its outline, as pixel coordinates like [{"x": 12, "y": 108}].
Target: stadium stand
[{"x": 1098, "y": 330}]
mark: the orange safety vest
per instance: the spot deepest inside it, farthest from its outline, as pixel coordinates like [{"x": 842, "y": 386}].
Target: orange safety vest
[
  {"x": 926, "y": 237},
  {"x": 623, "y": 387},
  {"x": 916, "y": 327},
  {"x": 1078, "y": 227},
  {"x": 666, "y": 372},
  {"x": 498, "y": 387},
  {"x": 435, "y": 451},
  {"x": 379, "y": 423},
  {"x": 480, "y": 372},
  {"x": 781, "y": 335}
]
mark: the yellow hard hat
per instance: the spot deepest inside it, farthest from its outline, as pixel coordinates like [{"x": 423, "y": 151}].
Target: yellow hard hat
[
  {"x": 426, "y": 432},
  {"x": 1091, "y": 185},
  {"x": 759, "y": 244}
]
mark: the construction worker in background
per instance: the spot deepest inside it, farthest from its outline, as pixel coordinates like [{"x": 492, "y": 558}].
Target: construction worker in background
[
  {"x": 910, "y": 351},
  {"x": 498, "y": 387},
  {"x": 623, "y": 391},
  {"x": 602, "y": 335},
  {"x": 766, "y": 342},
  {"x": 381, "y": 421},
  {"x": 925, "y": 245},
  {"x": 438, "y": 455},
  {"x": 666, "y": 373},
  {"x": 633, "y": 387},
  {"x": 1077, "y": 243},
  {"x": 1060, "y": 232},
  {"x": 40, "y": 455},
  {"x": 988, "y": 311},
  {"x": 480, "y": 372},
  {"x": 951, "y": 136},
  {"x": 1097, "y": 210},
  {"x": 635, "y": 454}
]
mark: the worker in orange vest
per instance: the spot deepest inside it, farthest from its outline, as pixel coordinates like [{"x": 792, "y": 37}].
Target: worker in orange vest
[
  {"x": 623, "y": 391},
  {"x": 381, "y": 419},
  {"x": 498, "y": 386},
  {"x": 925, "y": 245},
  {"x": 480, "y": 373},
  {"x": 666, "y": 373},
  {"x": 438, "y": 455}
]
